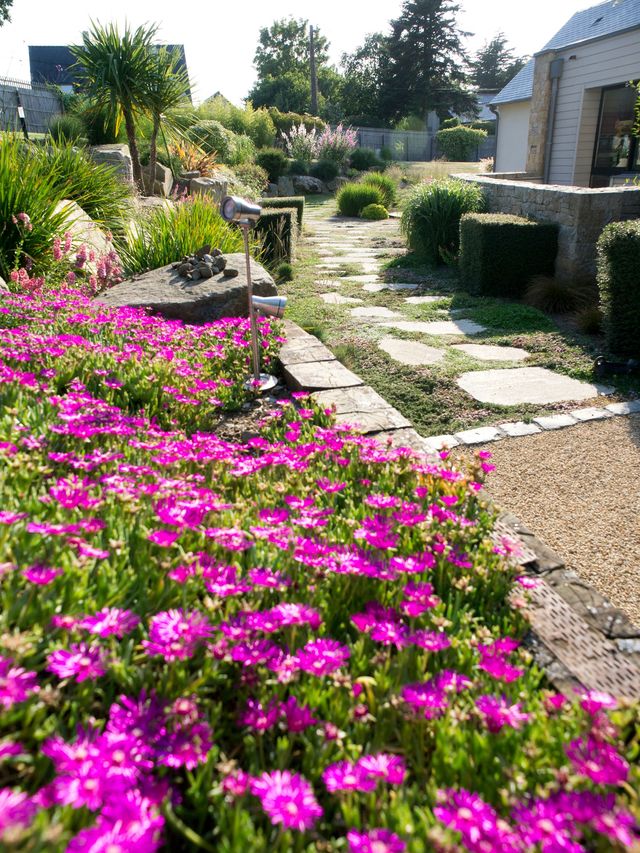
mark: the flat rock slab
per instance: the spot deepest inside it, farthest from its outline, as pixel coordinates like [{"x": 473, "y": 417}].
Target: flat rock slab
[
  {"x": 511, "y": 387},
  {"x": 518, "y": 429},
  {"x": 408, "y": 438},
  {"x": 329, "y": 282},
  {"x": 338, "y": 299},
  {"x": 362, "y": 279},
  {"x": 593, "y": 413},
  {"x": 302, "y": 351},
  {"x": 485, "y": 352},
  {"x": 320, "y": 375},
  {"x": 348, "y": 400},
  {"x": 439, "y": 327},
  {"x": 374, "y": 312},
  {"x": 410, "y": 352},
  {"x": 479, "y": 435},
  {"x": 555, "y": 421},
  {"x": 379, "y": 421},
  {"x": 167, "y": 293},
  {"x": 631, "y": 407},
  {"x": 423, "y": 300},
  {"x": 397, "y": 286},
  {"x": 436, "y": 443}
]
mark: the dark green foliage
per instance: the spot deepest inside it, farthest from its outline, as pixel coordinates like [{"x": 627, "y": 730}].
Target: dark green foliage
[
  {"x": 450, "y": 122},
  {"x": 66, "y": 128},
  {"x": 432, "y": 213},
  {"x": 365, "y": 158},
  {"x": 364, "y": 73},
  {"x": 4, "y": 11},
  {"x": 499, "y": 253},
  {"x": 273, "y": 161},
  {"x": 554, "y": 295},
  {"x": 385, "y": 184},
  {"x": 459, "y": 143},
  {"x": 253, "y": 177},
  {"x": 352, "y": 198},
  {"x": 495, "y": 64},
  {"x": 213, "y": 138},
  {"x": 374, "y": 212},
  {"x": 295, "y": 201},
  {"x": 325, "y": 170},
  {"x": 619, "y": 285},
  {"x": 589, "y": 320},
  {"x": 284, "y": 121},
  {"x": 277, "y": 231},
  {"x": 298, "y": 167},
  {"x": 489, "y": 127},
  {"x": 284, "y": 272},
  {"x": 386, "y": 153}
]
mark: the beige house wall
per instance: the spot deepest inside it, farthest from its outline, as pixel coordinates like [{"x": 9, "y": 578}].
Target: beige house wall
[{"x": 513, "y": 134}]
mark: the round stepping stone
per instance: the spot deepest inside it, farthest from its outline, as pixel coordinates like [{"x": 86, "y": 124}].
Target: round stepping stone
[
  {"x": 439, "y": 327},
  {"x": 484, "y": 352},
  {"x": 328, "y": 282},
  {"x": 423, "y": 300},
  {"x": 338, "y": 299},
  {"x": 389, "y": 285},
  {"x": 525, "y": 385},
  {"x": 410, "y": 352},
  {"x": 374, "y": 312}
]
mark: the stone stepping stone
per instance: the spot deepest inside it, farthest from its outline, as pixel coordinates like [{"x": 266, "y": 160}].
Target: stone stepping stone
[
  {"x": 362, "y": 279},
  {"x": 367, "y": 422},
  {"x": 422, "y": 300},
  {"x": 484, "y": 352},
  {"x": 329, "y": 282},
  {"x": 511, "y": 387},
  {"x": 348, "y": 400},
  {"x": 410, "y": 352},
  {"x": 320, "y": 375},
  {"x": 338, "y": 299},
  {"x": 389, "y": 285},
  {"x": 374, "y": 312},
  {"x": 439, "y": 327}
]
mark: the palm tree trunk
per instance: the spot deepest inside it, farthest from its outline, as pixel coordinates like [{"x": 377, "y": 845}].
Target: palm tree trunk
[
  {"x": 133, "y": 148},
  {"x": 153, "y": 151}
]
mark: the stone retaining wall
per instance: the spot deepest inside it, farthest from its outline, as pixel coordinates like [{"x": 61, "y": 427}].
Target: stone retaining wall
[{"x": 581, "y": 214}]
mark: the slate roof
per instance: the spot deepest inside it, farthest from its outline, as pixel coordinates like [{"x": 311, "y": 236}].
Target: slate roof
[{"x": 605, "y": 19}]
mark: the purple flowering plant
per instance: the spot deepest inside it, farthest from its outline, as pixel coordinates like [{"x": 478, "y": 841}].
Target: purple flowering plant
[{"x": 305, "y": 641}]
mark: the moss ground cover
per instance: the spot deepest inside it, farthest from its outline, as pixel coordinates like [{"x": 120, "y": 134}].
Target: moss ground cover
[{"x": 303, "y": 642}]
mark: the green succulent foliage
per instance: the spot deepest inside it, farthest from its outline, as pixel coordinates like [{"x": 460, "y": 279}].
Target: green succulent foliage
[{"x": 375, "y": 212}]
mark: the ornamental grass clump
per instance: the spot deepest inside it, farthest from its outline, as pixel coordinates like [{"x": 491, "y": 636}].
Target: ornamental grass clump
[
  {"x": 432, "y": 213},
  {"x": 307, "y": 640},
  {"x": 352, "y": 198},
  {"x": 385, "y": 184}
]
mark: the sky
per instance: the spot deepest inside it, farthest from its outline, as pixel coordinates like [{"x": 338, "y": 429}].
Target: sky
[{"x": 220, "y": 38}]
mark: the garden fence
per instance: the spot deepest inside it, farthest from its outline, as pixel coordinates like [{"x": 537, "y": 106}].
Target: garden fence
[
  {"x": 413, "y": 145},
  {"x": 40, "y": 104}
]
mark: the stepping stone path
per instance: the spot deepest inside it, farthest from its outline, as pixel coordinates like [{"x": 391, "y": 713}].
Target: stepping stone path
[
  {"x": 378, "y": 287},
  {"x": 375, "y": 312},
  {"x": 422, "y": 300},
  {"x": 338, "y": 299},
  {"x": 411, "y": 352},
  {"x": 483, "y": 352},
  {"x": 525, "y": 385},
  {"x": 439, "y": 327}
]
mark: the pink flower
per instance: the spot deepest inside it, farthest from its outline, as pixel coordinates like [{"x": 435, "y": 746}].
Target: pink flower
[
  {"x": 497, "y": 713},
  {"x": 236, "y": 783},
  {"x": 79, "y": 661},
  {"x": 375, "y": 841},
  {"x": 112, "y": 621},
  {"x": 176, "y": 634},
  {"x": 345, "y": 776},
  {"x": 594, "y": 701},
  {"x": 479, "y": 825},
  {"x": 382, "y": 765},
  {"x": 164, "y": 538},
  {"x": 16, "y": 811},
  {"x": 9, "y": 749},
  {"x": 298, "y": 717},
  {"x": 288, "y": 799},
  {"x": 597, "y": 760},
  {"x": 322, "y": 657},
  {"x": 260, "y": 717},
  {"x": 41, "y": 575},
  {"x": 16, "y": 684}
]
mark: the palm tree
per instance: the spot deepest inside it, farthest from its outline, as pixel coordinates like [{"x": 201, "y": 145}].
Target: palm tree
[
  {"x": 166, "y": 87},
  {"x": 115, "y": 70}
]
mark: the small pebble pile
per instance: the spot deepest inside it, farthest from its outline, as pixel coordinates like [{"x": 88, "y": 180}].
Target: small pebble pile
[{"x": 204, "y": 263}]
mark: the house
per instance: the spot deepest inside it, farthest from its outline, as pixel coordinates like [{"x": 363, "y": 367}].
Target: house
[
  {"x": 567, "y": 116},
  {"x": 53, "y": 64}
]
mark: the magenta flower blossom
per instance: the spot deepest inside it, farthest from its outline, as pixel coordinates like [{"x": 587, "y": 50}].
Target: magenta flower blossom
[
  {"x": 479, "y": 825},
  {"x": 597, "y": 760},
  {"x": 79, "y": 661},
  {"x": 375, "y": 841},
  {"x": 16, "y": 811},
  {"x": 497, "y": 713},
  {"x": 9, "y": 749},
  {"x": 164, "y": 538},
  {"x": 176, "y": 634},
  {"x": 288, "y": 799},
  {"x": 41, "y": 575},
  {"x": 345, "y": 776},
  {"x": 112, "y": 621},
  {"x": 16, "y": 684},
  {"x": 431, "y": 641},
  {"x": 298, "y": 717},
  {"x": 322, "y": 657},
  {"x": 493, "y": 660},
  {"x": 594, "y": 701},
  {"x": 236, "y": 783},
  {"x": 382, "y": 765},
  {"x": 260, "y": 717}
]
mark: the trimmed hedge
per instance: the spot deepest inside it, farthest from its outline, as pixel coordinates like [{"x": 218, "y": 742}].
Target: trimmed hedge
[
  {"x": 619, "y": 286},
  {"x": 296, "y": 201},
  {"x": 458, "y": 143},
  {"x": 352, "y": 198},
  {"x": 277, "y": 229},
  {"x": 500, "y": 253}
]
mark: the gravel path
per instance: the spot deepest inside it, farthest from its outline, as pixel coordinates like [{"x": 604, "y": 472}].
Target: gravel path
[{"x": 578, "y": 489}]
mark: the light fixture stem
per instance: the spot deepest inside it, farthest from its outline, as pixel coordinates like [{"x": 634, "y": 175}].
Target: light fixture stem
[{"x": 252, "y": 314}]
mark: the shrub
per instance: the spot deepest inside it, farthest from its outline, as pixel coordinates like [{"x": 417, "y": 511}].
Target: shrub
[
  {"x": 298, "y": 167},
  {"x": 66, "y": 128},
  {"x": 284, "y": 271},
  {"x": 365, "y": 158},
  {"x": 285, "y": 122},
  {"x": 499, "y": 253},
  {"x": 256, "y": 124},
  {"x": 458, "y": 143},
  {"x": 385, "y": 184},
  {"x": 253, "y": 177},
  {"x": 374, "y": 212},
  {"x": 589, "y": 320},
  {"x": 553, "y": 295},
  {"x": 295, "y": 201},
  {"x": 618, "y": 278},
  {"x": 273, "y": 161},
  {"x": 212, "y": 138},
  {"x": 277, "y": 230},
  {"x": 386, "y": 154},
  {"x": 336, "y": 145},
  {"x": 352, "y": 198},
  {"x": 450, "y": 122},
  {"x": 167, "y": 234},
  {"x": 301, "y": 144},
  {"x": 325, "y": 170},
  {"x": 432, "y": 213},
  {"x": 100, "y": 125}
]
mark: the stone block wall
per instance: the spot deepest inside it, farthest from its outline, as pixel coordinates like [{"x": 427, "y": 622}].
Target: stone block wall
[{"x": 580, "y": 213}]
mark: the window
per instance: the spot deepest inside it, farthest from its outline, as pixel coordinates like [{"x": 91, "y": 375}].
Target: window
[{"x": 616, "y": 149}]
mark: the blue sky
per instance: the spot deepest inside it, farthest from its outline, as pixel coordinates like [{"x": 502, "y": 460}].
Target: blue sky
[{"x": 220, "y": 37}]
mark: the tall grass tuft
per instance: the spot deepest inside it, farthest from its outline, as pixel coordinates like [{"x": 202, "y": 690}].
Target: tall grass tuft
[
  {"x": 431, "y": 217},
  {"x": 352, "y": 198},
  {"x": 555, "y": 296},
  {"x": 169, "y": 233},
  {"x": 385, "y": 184}
]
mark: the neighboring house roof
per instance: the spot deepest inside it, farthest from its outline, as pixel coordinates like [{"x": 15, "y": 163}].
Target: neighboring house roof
[
  {"x": 605, "y": 19},
  {"x": 483, "y": 99}
]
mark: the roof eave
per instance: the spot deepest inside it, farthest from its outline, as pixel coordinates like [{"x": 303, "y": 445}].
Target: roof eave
[{"x": 586, "y": 41}]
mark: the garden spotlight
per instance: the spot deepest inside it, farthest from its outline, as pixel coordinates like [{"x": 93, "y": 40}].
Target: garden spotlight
[{"x": 270, "y": 306}]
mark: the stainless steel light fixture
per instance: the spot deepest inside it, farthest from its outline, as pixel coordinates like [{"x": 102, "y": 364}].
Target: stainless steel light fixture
[{"x": 245, "y": 214}]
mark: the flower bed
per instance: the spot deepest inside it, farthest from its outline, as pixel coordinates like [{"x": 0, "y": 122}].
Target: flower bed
[{"x": 303, "y": 642}]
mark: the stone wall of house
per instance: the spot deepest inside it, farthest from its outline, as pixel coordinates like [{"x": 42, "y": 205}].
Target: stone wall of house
[{"x": 580, "y": 213}]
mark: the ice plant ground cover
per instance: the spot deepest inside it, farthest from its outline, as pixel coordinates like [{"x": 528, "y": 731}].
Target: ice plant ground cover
[{"x": 303, "y": 642}]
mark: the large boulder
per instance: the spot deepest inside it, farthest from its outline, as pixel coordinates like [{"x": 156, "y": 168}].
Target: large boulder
[
  {"x": 285, "y": 187},
  {"x": 165, "y": 292},
  {"x": 163, "y": 183},
  {"x": 4, "y": 287},
  {"x": 307, "y": 185},
  {"x": 115, "y": 155},
  {"x": 337, "y": 184},
  {"x": 84, "y": 231},
  {"x": 215, "y": 188}
]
